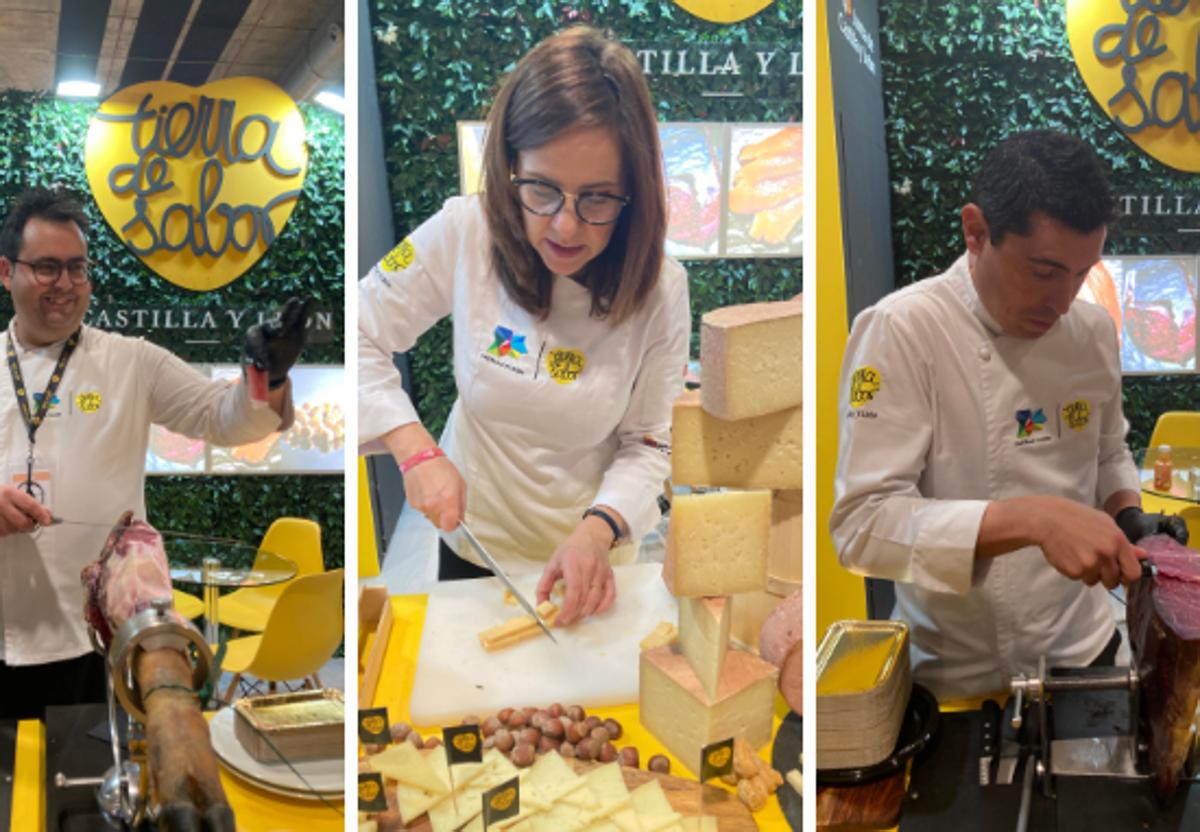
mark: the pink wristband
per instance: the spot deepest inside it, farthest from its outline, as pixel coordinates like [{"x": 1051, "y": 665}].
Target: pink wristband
[{"x": 419, "y": 457}]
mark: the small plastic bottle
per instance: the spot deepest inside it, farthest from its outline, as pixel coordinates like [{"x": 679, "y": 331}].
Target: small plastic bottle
[{"x": 1162, "y": 469}]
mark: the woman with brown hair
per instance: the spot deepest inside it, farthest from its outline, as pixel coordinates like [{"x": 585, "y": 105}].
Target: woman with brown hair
[{"x": 570, "y": 330}]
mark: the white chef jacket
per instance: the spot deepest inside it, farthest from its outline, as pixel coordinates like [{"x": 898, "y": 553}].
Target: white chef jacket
[
  {"x": 93, "y": 441},
  {"x": 552, "y": 416},
  {"x": 942, "y": 413}
]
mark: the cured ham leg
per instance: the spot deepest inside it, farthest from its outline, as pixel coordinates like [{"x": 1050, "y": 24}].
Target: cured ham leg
[
  {"x": 130, "y": 576},
  {"x": 1164, "y": 629}
]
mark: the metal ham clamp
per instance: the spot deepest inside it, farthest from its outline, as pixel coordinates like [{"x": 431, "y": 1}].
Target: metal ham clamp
[{"x": 156, "y": 660}]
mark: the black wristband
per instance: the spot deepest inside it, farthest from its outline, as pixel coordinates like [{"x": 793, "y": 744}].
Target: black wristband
[
  {"x": 277, "y": 383},
  {"x": 607, "y": 518}
]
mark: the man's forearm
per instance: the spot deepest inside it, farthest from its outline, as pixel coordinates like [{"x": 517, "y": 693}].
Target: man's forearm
[{"x": 1008, "y": 525}]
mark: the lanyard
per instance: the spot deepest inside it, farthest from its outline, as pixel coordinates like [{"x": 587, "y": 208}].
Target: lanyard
[{"x": 33, "y": 418}]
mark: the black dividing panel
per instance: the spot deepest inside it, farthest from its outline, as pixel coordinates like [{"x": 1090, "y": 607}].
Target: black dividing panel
[
  {"x": 158, "y": 28},
  {"x": 210, "y": 31},
  {"x": 80, "y": 33}
]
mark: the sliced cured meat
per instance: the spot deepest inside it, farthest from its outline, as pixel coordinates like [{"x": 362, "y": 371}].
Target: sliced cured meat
[
  {"x": 781, "y": 643},
  {"x": 1164, "y": 629}
]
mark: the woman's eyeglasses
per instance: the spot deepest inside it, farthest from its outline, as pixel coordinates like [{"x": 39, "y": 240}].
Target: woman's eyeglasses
[{"x": 546, "y": 200}]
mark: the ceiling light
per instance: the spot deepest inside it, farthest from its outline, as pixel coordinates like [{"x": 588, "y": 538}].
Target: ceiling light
[
  {"x": 78, "y": 89},
  {"x": 331, "y": 100}
]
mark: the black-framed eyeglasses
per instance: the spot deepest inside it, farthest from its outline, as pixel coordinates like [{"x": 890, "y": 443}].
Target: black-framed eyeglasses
[
  {"x": 546, "y": 199},
  {"x": 47, "y": 270}
]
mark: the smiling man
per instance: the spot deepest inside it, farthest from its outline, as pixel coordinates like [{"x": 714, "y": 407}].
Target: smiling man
[
  {"x": 75, "y": 417},
  {"x": 982, "y": 464}
]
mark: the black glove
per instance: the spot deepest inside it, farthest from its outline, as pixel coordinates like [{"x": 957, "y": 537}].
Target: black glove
[
  {"x": 275, "y": 346},
  {"x": 1137, "y": 524}
]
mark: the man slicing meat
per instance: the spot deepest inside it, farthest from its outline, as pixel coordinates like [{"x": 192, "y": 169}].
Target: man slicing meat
[
  {"x": 75, "y": 418},
  {"x": 982, "y": 464}
]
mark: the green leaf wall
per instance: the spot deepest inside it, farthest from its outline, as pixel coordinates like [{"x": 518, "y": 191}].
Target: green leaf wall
[
  {"x": 443, "y": 65},
  {"x": 42, "y": 143},
  {"x": 958, "y": 77}
]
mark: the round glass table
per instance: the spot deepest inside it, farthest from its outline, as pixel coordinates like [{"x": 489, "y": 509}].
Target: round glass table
[
  {"x": 1185, "y": 473},
  {"x": 269, "y": 568}
]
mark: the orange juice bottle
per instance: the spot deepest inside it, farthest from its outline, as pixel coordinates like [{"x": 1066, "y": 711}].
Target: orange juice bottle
[{"x": 1162, "y": 469}]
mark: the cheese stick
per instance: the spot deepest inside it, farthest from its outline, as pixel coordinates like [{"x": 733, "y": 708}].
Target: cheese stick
[{"x": 518, "y": 629}]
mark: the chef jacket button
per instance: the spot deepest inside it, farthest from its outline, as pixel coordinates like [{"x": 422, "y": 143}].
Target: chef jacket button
[{"x": 985, "y": 354}]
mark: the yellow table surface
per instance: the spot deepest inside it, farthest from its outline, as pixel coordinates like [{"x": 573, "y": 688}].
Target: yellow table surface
[
  {"x": 400, "y": 668},
  {"x": 256, "y": 810}
]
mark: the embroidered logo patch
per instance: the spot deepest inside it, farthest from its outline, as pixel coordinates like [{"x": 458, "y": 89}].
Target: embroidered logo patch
[
  {"x": 565, "y": 366},
  {"x": 399, "y": 258},
  {"x": 1076, "y": 414},
  {"x": 1030, "y": 422},
  {"x": 864, "y": 384},
  {"x": 37, "y": 401},
  {"x": 507, "y": 342},
  {"x": 88, "y": 402}
]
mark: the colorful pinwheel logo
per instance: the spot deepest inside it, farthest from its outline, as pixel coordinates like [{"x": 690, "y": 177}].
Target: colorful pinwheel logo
[
  {"x": 1029, "y": 422},
  {"x": 507, "y": 343}
]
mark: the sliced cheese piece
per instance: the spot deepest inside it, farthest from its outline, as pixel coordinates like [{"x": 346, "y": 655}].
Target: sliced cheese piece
[
  {"x": 703, "y": 823},
  {"x": 785, "y": 563},
  {"x": 760, "y": 452},
  {"x": 674, "y": 707},
  {"x": 455, "y": 810},
  {"x": 561, "y": 818},
  {"x": 403, "y": 763},
  {"x": 750, "y": 359},
  {"x": 608, "y": 787},
  {"x": 649, "y": 801},
  {"x": 717, "y": 543},
  {"x": 626, "y": 820},
  {"x": 704, "y": 637},
  {"x": 661, "y": 823},
  {"x": 412, "y": 801}
]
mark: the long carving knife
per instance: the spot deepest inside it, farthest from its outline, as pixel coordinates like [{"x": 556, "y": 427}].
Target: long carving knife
[{"x": 504, "y": 579}]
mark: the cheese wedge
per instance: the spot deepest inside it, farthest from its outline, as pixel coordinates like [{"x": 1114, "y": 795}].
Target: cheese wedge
[
  {"x": 750, "y": 359},
  {"x": 717, "y": 543},
  {"x": 674, "y": 707},
  {"x": 785, "y": 563},
  {"x": 704, "y": 637},
  {"x": 759, "y": 452}
]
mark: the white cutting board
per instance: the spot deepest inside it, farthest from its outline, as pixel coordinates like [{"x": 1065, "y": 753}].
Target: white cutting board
[{"x": 594, "y": 664}]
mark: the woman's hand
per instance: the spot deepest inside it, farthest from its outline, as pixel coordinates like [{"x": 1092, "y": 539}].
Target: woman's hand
[
  {"x": 433, "y": 487},
  {"x": 582, "y": 561}
]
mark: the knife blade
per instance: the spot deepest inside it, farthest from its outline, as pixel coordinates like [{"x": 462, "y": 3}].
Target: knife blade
[
  {"x": 504, "y": 579},
  {"x": 205, "y": 538},
  {"x": 991, "y": 733}
]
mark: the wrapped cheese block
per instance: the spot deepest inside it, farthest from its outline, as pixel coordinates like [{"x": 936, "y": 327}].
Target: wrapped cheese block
[{"x": 1164, "y": 630}]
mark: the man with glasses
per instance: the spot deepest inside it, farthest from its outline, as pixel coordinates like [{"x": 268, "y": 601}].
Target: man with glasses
[{"x": 75, "y": 417}]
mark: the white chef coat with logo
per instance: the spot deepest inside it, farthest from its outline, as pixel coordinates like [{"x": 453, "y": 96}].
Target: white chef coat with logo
[
  {"x": 552, "y": 415},
  {"x": 942, "y": 413},
  {"x": 93, "y": 441}
]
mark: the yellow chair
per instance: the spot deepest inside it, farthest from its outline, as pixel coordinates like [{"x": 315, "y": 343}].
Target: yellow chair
[
  {"x": 1180, "y": 428},
  {"x": 294, "y": 538},
  {"x": 189, "y": 606},
  {"x": 1191, "y": 516},
  {"x": 303, "y": 629}
]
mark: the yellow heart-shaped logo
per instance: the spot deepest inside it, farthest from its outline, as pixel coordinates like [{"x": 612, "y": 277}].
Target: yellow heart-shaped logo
[
  {"x": 719, "y": 757},
  {"x": 368, "y": 790},
  {"x": 465, "y": 742},
  {"x": 1139, "y": 60},
  {"x": 374, "y": 724},
  {"x": 197, "y": 181},
  {"x": 504, "y": 799},
  {"x": 723, "y": 11}
]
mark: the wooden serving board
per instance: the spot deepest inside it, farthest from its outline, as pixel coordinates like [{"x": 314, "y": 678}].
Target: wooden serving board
[
  {"x": 683, "y": 795},
  {"x": 869, "y": 806}
]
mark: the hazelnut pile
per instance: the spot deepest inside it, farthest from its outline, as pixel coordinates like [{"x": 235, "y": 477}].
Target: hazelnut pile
[
  {"x": 755, "y": 780},
  {"x": 523, "y": 733}
]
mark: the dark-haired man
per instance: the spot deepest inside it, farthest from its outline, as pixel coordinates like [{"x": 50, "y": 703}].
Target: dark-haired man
[
  {"x": 982, "y": 464},
  {"x": 75, "y": 415}
]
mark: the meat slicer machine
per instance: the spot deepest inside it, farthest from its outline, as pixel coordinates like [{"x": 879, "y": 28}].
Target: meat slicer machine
[
  {"x": 125, "y": 794},
  {"x": 1104, "y": 698}
]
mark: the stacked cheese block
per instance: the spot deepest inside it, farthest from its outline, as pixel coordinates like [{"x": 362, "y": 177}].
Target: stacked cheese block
[
  {"x": 553, "y": 797},
  {"x": 741, "y": 431}
]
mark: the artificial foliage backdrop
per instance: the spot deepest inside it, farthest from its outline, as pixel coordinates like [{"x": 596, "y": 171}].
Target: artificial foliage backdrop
[
  {"x": 42, "y": 143},
  {"x": 440, "y": 62},
  {"x": 958, "y": 77}
]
